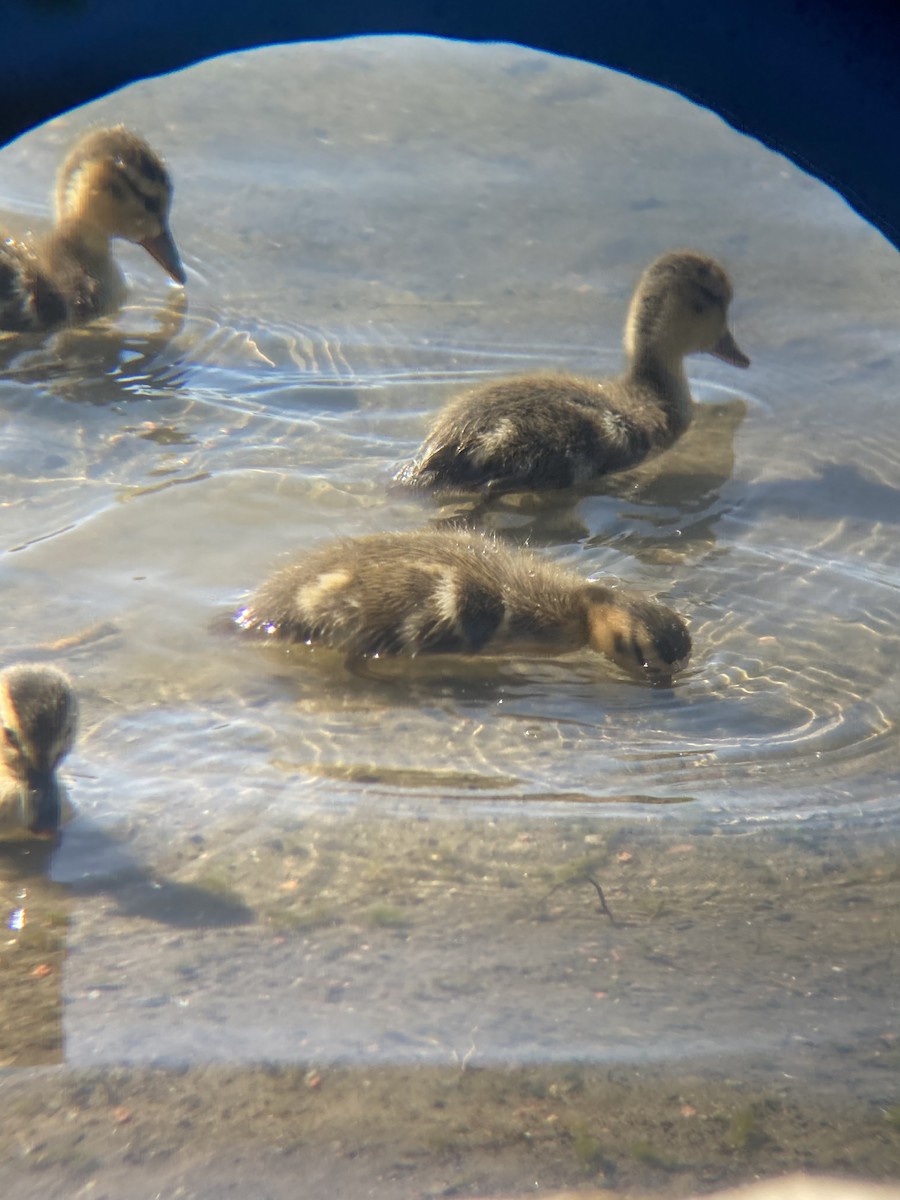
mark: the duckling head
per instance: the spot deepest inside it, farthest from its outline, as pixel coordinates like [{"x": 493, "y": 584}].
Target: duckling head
[
  {"x": 113, "y": 185},
  {"x": 680, "y": 306},
  {"x": 39, "y": 716},
  {"x": 642, "y": 637}
]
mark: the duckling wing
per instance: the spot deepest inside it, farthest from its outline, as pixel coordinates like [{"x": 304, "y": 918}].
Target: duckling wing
[
  {"x": 385, "y": 594},
  {"x": 28, "y": 299},
  {"x": 535, "y": 433}
]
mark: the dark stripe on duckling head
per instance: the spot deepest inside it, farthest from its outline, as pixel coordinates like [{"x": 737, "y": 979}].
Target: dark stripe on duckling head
[
  {"x": 151, "y": 168},
  {"x": 118, "y": 148},
  {"x": 668, "y": 635},
  {"x": 675, "y": 644},
  {"x": 152, "y": 204},
  {"x": 713, "y": 299},
  {"x": 671, "y": 636},
  {"x": 45, "y": 707}
]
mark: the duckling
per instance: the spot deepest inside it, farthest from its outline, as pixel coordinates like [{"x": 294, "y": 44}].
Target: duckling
[
  {"x": 459, "y": 592},
  {"x": 39, "y": 716},
  {"x": 111, "y": 185},
  {"x": 556, "y": 430}
]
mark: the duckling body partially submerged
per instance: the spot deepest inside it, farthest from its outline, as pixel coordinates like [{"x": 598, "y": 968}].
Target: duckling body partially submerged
[
  {"x": 558, "y": 431},
  {"x": 111, "y": 185},
  {"x": 453, "y": 592},
  {"x": 39, "y": 716}
]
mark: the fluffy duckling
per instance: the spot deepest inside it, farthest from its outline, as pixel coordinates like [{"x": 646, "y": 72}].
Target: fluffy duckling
[
  {"x": 559, "y": 431},
  {"x": 459, "y": 592},
  {"x": 111, "y": 185},
  {"x": 39, "y": 716}
]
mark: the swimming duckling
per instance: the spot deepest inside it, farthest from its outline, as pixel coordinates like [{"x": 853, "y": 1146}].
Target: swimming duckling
[
  {"x": 111, "y": 185},
  {"x": 558, "y": 431},
  {"x": 39, "y": 715},
  {"x": 459, "y": 592}
]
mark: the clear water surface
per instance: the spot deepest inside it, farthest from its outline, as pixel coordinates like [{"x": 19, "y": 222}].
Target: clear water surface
[{"x": 368, "y": 226}]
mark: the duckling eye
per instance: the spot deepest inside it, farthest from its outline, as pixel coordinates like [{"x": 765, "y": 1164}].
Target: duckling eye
[
  {"x": 152, "y": 204},
  {"x": 710, "y": 299},
  {"x": 11, "y": 738}
]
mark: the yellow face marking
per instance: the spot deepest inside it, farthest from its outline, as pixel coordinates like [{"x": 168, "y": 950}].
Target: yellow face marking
[
  {"x": 14, "y": 748},
  {"x": 614, "y": 632},
  {"x": 644, "y": 638},
  {"x": 114, "y": 199},
  {"x": 7, "y": 711}
]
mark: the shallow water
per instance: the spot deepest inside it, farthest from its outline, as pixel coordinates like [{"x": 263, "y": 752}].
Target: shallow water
[{"x": 367, "y": 226}]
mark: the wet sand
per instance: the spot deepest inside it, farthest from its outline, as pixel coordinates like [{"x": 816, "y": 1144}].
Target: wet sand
[{"x": 499, "y": 933}]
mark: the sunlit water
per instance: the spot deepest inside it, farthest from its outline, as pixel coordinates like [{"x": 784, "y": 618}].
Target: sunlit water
[{"x": 368, "y": 226}]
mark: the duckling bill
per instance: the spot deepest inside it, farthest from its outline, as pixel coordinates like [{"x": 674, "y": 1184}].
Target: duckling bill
[
  {"x": 459, "y": 592},
  {"x": 39, "y": 717},
  {"x": 545, "y": 431},
  {"x": 111, "y": 185}
]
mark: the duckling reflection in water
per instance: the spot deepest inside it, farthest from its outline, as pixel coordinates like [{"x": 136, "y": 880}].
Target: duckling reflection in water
[
  {"x": 457, "y": 592},
  {"x": 39, "y": 715},
  {"x": 111, "y": 185},
  {"x": 559, "y": 431}
]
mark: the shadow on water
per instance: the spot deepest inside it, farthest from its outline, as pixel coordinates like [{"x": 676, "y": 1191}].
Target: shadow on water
[
  {"x": 840, "y": 490},
  {"x": 675, "y": 500},
  {"x": 92, "y": 862},
  {"x": 35, "y": 909}
]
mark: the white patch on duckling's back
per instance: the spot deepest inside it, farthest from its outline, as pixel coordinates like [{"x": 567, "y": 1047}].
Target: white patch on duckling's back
[
  {"x": 446, "y": 598},
  {"x": 615, "y": 428},
  {"x": 493, "y": 440},
  {"x": 314, "y": 595},
  {"x": 442, "y": 607}
]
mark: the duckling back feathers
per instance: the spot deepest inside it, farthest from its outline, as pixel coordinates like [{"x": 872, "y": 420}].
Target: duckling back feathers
[
  {"x": 28, "y": 300},
  {"x": 435, "y": 592},
  {"x": 556, "y": 431},
  {"x": 537, "y": 431}
]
